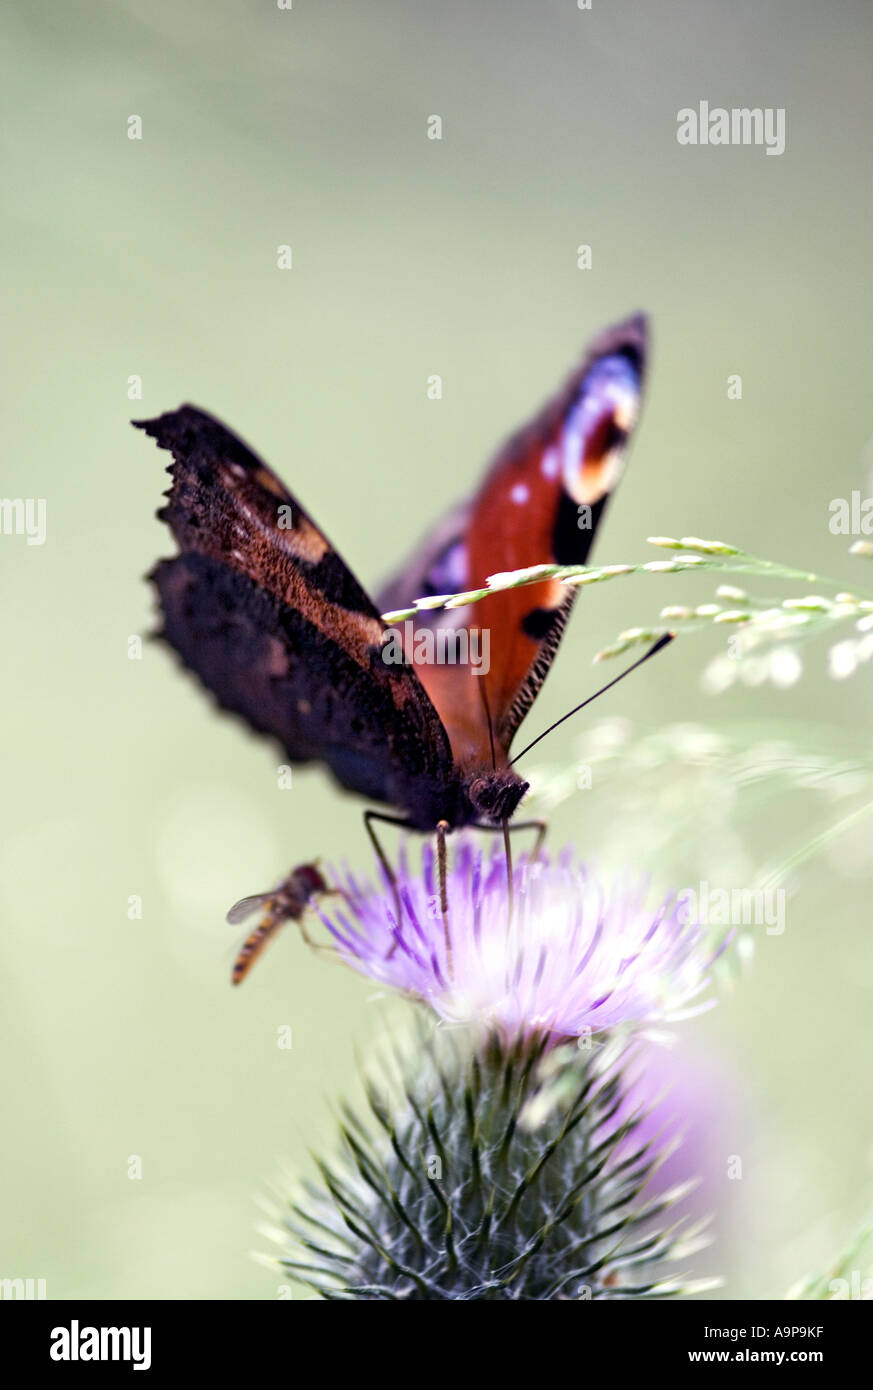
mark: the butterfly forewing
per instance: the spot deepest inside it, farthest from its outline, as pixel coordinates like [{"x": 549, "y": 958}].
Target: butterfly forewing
[{"x": 262, "y": 608}]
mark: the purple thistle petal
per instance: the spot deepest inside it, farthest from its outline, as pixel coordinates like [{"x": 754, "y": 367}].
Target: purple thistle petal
[{"x": 572, "y": 953}]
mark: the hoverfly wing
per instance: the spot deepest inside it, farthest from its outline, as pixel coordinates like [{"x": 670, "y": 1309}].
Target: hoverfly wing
[{"x": 246, "y": 906}]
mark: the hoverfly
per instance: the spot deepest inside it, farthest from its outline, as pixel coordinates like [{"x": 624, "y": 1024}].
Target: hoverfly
[{"x": 286, "y": 903}]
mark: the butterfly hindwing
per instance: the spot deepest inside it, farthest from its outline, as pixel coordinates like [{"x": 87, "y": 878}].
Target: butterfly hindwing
[{"x": 262, "y": 608}]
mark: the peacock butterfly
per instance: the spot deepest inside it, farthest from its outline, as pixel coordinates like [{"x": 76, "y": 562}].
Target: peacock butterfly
[{"x": 261, "y": 607}]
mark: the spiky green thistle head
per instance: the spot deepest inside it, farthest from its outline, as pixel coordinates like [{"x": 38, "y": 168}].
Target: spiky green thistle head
[{"x": 490, "y": 1171}]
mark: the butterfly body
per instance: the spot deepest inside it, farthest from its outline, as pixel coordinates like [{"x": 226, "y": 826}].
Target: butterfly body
[{"x": 259, "y": 604}]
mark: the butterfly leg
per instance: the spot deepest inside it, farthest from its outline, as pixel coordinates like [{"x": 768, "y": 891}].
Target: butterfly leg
[
  {"x": 369, "y": 817},
  {"x": 505, "y": 829},
  {"x": 442, "y": 830},
  {"x": 540, "y": 826},
  {"x": 510, "y": 886}
]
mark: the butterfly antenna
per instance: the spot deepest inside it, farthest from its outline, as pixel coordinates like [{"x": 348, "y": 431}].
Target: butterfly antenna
[
  {"x": 659, "y": 646},
  {"x": 507, "y": 846},
  {"x": 484, "y": 696}
]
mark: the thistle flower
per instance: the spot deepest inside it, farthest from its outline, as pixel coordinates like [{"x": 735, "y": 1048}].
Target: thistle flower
[
  {"x": 505, "y": 1162},
  {"x": 560, "y": 955}
]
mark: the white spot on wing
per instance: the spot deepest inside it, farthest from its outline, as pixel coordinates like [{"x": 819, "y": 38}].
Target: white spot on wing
[
  {"x": 550, "y": 466},
  {"x": 448, "y": 573}
]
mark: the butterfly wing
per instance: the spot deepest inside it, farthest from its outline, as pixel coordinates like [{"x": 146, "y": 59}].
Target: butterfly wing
[
  {"x": 261, "y": 607},
  {"x": 541, "y": 502}
]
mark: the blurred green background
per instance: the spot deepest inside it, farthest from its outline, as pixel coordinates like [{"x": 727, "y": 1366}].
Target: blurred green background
[{"x": 411, "y": 257}]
